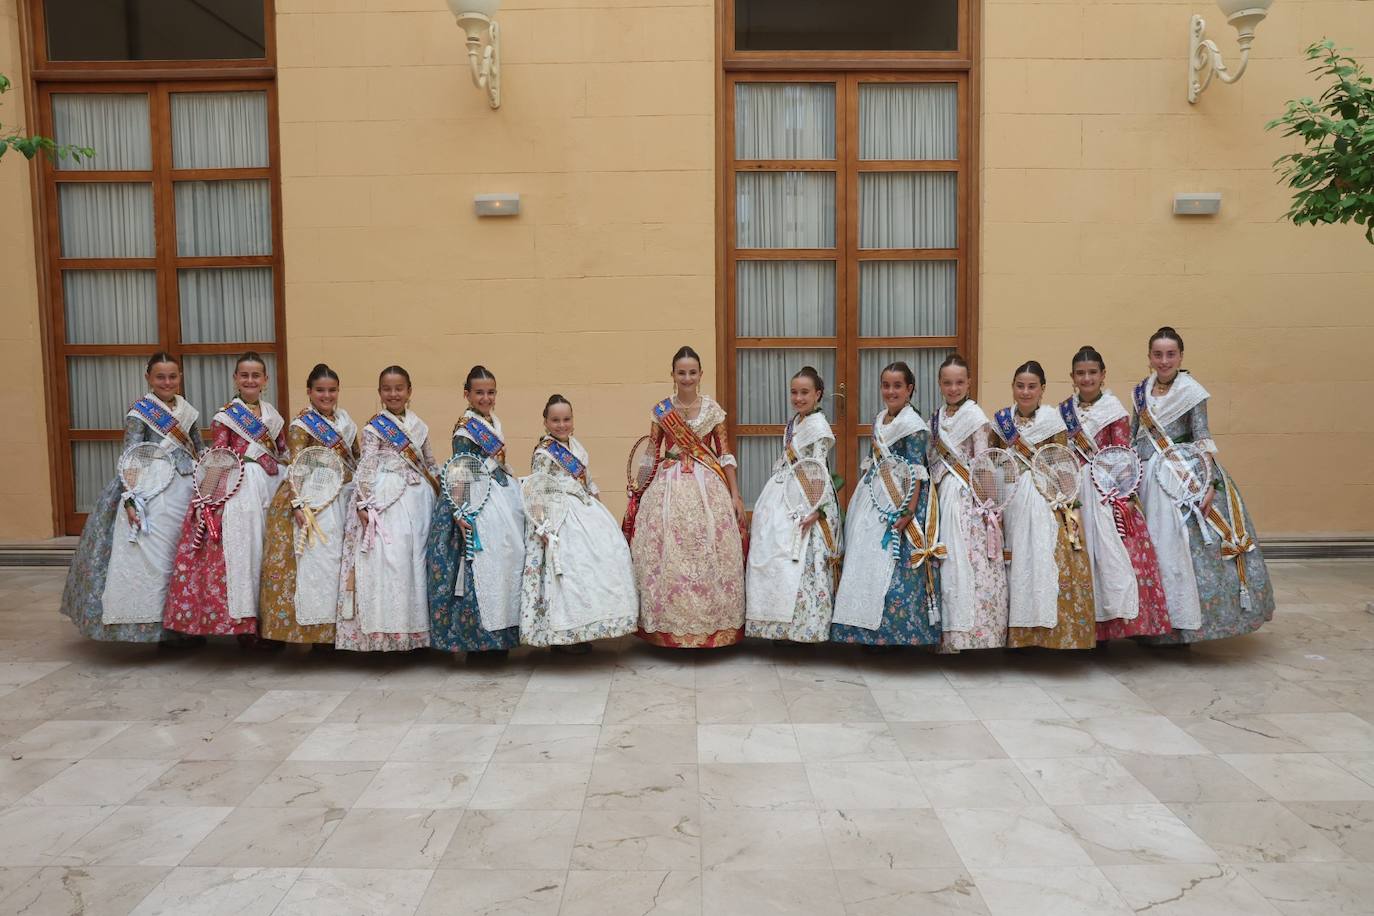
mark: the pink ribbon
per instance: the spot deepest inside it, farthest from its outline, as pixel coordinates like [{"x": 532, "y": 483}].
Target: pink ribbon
[
  {"x": 992, "y": 523},
  {"x": 373, "y": 527}
]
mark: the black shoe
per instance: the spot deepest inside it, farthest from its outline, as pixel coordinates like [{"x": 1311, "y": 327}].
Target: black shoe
[{"x": 578, "y": 648}]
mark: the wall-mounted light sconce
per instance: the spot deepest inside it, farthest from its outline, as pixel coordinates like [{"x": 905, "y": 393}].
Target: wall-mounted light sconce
[
  {"x": 478, "y": 18},
  {"x": 1206, "y": 203},
  {"x": 496, "y": 204},
  {"x": 1203, "y": 54}
]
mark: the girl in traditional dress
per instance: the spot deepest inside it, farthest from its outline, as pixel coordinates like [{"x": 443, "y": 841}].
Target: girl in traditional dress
[
  {"x": 214, "y": 587},
  {"x": 474, "y": 606},
  {"x": 1127, "y": 590},
  {"x": 789, "y": 599},
  {"x": 116, "y": 588},
  {"x": 593, "y": 596},
  {"x": 300, "y": 595},
  {"x": 882, "y": 600},
  {"x": 688, "y": 535},
  {"x": 1049, "y": 578},
  {"x": 1228, "y": 592},
  {"x": 382, "y": 604},
  {"x": 973, "y": 578}
]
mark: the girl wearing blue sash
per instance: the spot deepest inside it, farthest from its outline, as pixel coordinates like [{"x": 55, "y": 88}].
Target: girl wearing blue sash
[
  {"x": 116, "y": 587},
  {"x": 382, "y": 590},
  {"x": 579, "y": 582},
  {"x": 214, "y": 587},
  {"x": 475, "y": 607},
  {"x": 1215, "y": 579},
  {"x": 789, "y": 583},
  {"x": 300, "y": 595},
  {"x": 885, "y": 600}
]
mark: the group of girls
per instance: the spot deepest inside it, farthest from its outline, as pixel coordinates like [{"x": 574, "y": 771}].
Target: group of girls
[{"x": 687, "y": 567}]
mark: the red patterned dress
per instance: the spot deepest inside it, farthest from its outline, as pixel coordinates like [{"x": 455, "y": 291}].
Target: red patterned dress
[{"x": 1153, "y": 619}]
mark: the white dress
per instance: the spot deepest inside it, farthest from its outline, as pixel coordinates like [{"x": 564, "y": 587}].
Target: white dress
[
  {"x": 789, "y": 593},
  {"x": 595, "y": 596},
  {"x": 245, "y": 517},
  {"x": 317, "y": 570},
  {"x": 1032, "y": 532}
]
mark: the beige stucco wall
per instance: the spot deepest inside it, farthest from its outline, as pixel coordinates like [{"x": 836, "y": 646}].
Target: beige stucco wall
[
  {"x": 25, "y": 488},
  {"x": 606, "y": 130},
  {"x": 1087, "y": 137}
]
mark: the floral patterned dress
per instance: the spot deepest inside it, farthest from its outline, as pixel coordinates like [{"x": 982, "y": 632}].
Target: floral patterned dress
[
  {"x": 1223, "y": 612},
  {"x": 200, "y": 598},
  {"x": 688, "y": 548},
  {"x": 907, "y": 616},
  {"x": 455, "y": 620},
  {"x": 594, "y": 596},
  {"x": 802, "y": 593},
  {"x": 987, "y": 572},
  {"x": 83, "y": 597},
  {"x": 277, "y": 605}
]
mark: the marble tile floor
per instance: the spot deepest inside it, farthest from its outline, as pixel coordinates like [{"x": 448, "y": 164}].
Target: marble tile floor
[{"x": 1230, "y": 779}]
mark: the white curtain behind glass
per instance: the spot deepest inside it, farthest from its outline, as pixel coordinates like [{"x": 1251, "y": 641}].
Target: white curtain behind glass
[
  {"x": 785, "y": 298},
  {"x": 110, "y": 306},
  {"x": 907, "y": 298},
  {"x": 908, "y": 210},
  {"x": 764, "y": 378},
  {"x": 106, "y": 220},
  {"x": 209, "y": 381},
  {"x": 101, "y": 388},
  {"x": 908, "y": 121},
  {"x": 755, "y": 455},
  {"x": 785, "y": 209},
  {"x": 924, "y": 365},
  {"x": 219, "y": 130},
  {"x": 784, "y": 121},
  {"x": 93, "y": 466},
  {"x": 115, "y": 124},
  {"x": 226, "y": 218},
  {"x": 223, "y": 305}
]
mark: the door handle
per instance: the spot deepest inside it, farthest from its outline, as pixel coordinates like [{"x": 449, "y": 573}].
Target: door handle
[{"x": 844, "y": 399}]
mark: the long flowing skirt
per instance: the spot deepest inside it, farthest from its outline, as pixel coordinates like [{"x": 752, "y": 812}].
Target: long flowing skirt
[
  {"x": 382, "y": 604},
  {"x": 1047, "y": 572},
  {"x": 1153, "y": 618},
  {"x": 787, "y": 597},
  {"x": 486, "y": 616},
  {"x": 1224, "y": 614},
  {"x": 974, "y": 575},
  {"x": 214, "y": 587},
  {"x": 689, "y": 561},
  {"x": 300, "y": 595},
  {"x": 872, "y": 579},
  {"x": 594, "y": 597},
  {"x": 1170, "y": 535},
  {"x": 115, "y": 589}
]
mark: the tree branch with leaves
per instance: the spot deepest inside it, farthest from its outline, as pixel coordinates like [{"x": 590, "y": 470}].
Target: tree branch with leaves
[
  {"x": 1333, "y": 176},
  {"x": 14, "y": 138}
]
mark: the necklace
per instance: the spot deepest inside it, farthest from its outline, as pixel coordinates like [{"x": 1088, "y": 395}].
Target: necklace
[
  {"x": 687, "y": 408},
  {"x": 952, "y": 409}
]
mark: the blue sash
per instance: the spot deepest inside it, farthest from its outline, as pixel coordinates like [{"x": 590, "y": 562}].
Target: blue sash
[
  {"x": 1006, "y": 425},
  {"x": 248, "y": 422},
  {"x": 320, "y": 428},
  {"x": 565, "y": 458},
  {"x": 397, "y": 439},
  {"x": 1138, "y": 396},
  {"x": 162, "y": 421},
  {"x": 482, "y": 434},
  {"x": 1069, "y": 415}
]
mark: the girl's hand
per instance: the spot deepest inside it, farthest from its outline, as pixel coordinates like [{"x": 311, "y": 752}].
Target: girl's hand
[
  {"x": 739, "y": 508},
  {"x": 463, "y": 524},
  {"x": 299, "y": 516},
  {"x": 810, "y": 520},
  {"x": 362, "y": 518},
  {"x": 900, "y": 525},
  {"x": 133, "y": 517},
  {"x": 1207, "y": 500}
]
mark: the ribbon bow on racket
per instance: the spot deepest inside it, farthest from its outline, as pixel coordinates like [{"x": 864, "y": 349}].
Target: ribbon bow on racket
[
  {"x": 217, "y": 476},
  {"x": 805, "y": 483},
  {"x": 315, "y": 477},
  {"x": 467, "y": 487},
  {"x": 381, "y": 480},
  {"x": 145, "y": 471},
  {"x": 1115, "y": 472},
  {"x": 993, "y": 477},
  {"x": 546, "y": 504},
  {"x": 1055, "y": 473},
  {"x": 1184, "y": 473}
]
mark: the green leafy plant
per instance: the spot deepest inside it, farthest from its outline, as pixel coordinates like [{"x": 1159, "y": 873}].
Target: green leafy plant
[
  {"x": 13, "y": 138},
  {"x": 1333, "y": 176}
]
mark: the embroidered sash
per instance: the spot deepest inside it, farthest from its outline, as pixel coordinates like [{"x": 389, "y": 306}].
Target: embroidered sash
[
  {"x": 396, "y": 437},
  {"x": 323, "y": 432},
  {"x": 686, "y": 438},
  {"x": 792, "y": 456},
  {"x": 249, "y": 426},
  {"x": 564, "y": 456},
  {"x": 1005, "y": 423},
  {"x": 163, "y": 422},
  {"x": 1078, "y": 436},
  {"x": 1236, "y": 541},
  {"x": 925, "y": 545},
  {"x": 948, "y": 457}
]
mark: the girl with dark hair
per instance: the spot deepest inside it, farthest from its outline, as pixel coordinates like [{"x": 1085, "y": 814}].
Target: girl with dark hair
[
  {"x": 474, "y": 606},
  {"x": 300, "y": 595},
  {"x": 885, "y": 600},
  {"x": 1049, "y": 579},
  {"x": 973, "y": 582},
  {"x": 214, "y": 589},
  {"x": 382, "y": 605},
  {"x": 117, "y": 584},
  {"x": 1221, "y": 587},
  {"x": 1127, "y": 590},
  {"x": 791, "y": 583},
  {"x": 578, "y": 583},
  {"x": 687, "y": 542}
]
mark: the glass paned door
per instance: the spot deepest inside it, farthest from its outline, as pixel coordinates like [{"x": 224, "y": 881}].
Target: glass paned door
[
  {"x": 847, "y": 243},
  {"x": 786, "y": 268}
]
